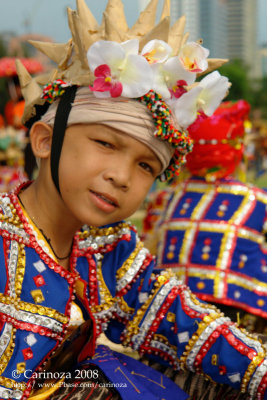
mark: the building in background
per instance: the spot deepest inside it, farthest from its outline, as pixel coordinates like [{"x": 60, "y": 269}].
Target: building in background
[
  {"x": 191, "y": 9},
  {"x": 263, "y": 59},
  {"x": 213, "y": 26},
  {"x": 242, "y": 25}
]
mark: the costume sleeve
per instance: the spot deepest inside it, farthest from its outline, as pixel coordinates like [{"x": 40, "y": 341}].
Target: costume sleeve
[{"x": 159, "y": 317}]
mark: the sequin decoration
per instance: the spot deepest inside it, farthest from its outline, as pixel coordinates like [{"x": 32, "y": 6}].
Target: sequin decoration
[
  {"x": 37, "y": 296},
  {"x": 27, "y": 353},
  {"x": 39, "y": 280}
]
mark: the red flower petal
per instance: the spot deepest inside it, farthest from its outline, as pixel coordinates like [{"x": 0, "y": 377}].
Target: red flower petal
[
  {"x": 102, "y": 71},
  {"x": 100, "y": 85},
  {"x": 116, "y": 89}
]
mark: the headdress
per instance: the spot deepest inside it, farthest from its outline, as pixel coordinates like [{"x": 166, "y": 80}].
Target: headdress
[
  {"x": 151, "y": 63},
  {"x": 218, "y": 141}
]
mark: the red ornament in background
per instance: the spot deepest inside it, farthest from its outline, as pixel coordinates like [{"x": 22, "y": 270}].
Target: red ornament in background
[
  {"x": 8, "y": 66},
  {"x": 218, "y": 140}
]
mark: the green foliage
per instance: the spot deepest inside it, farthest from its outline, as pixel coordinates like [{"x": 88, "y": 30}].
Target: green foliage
[
  {"x": 244, "y": 87},
  {"x": 237, "y": 73},
  {"x": 260, "y": 97}
]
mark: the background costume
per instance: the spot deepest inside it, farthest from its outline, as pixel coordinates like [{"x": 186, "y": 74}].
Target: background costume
[
  {"x": 17, "y": 160},
  {"x": 210, "y": 228}
]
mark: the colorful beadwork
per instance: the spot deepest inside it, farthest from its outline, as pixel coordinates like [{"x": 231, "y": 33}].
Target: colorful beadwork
[
  {"x": 165, "y": 130},
  {"x": 53, "y": 90}
]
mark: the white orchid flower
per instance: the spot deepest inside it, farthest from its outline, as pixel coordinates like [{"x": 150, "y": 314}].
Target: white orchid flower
[
  {"x": 205, "y": 98},
  {"x": 156, "y": 51},
  {"x": 194, "y": 57},
  {"x": 119, "y": 70},
  {"x": 171, "y": 78}
]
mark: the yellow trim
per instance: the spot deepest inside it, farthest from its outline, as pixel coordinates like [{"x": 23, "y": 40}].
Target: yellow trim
[
  {"x": 106, "y": 298},
  {"x": 133, "y": 326},
  {"x": 207, "y": 320},
  {"x": 93, "y": 231},
  {"x": 250, "y": 370},
  {"x": 20, "y": 270},
  {"x": 8, "y": 353},
  {"x": 45, "y": 394},
  {"x": 34, "y": 308},
  {"x": 128, "y": 263}
]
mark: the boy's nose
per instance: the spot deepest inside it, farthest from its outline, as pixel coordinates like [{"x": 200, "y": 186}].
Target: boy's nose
[{"x": 119, "y": 175}]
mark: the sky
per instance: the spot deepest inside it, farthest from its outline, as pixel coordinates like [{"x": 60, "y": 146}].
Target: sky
[{"x": 48, "y": 17}]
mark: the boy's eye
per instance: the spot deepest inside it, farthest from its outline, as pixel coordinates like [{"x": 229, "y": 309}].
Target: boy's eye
[
  {"x": 147, "y": 167},
  {"x": 104, "y": 144}
]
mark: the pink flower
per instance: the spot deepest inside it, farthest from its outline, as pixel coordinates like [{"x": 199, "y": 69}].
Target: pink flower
[
  {"x": 178, "y": 89},
  {"x": 105, "y": 83}
]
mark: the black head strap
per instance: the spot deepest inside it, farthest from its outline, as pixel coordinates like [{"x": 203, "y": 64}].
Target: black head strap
[
  {"x": 60, "y": 125},
  {"x": 40, "y": 111}
]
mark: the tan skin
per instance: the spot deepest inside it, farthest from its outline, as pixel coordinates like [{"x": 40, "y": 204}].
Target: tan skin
[{"x": 104, "y": 177}]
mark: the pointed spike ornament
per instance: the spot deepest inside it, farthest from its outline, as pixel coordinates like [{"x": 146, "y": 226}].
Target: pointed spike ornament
[
  {"x": 86, "y": 17},
  {"x": 77, "y": 37},
  {"x": 214, "y": 63},
  {"x": 57, "y": 52},
  {"x": 177, "y": 34},
  {"x": 112, "y": 32},
  {"x": 30, "y": 89},
  {"x": 166, "y": 10},
  {"x": 146, "y": 20},
  {"x": 115, "y": 12},
  {"x": 160, "y": 32}
]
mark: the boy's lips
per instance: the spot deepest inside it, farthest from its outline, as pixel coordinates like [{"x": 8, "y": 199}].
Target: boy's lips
[{"x": 107, "y": 198}]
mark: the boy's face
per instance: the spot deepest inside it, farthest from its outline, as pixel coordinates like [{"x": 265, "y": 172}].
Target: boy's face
[{"x": 104, "y": 174}]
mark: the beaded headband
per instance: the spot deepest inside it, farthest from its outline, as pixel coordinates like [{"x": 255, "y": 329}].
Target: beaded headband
[{"x": 151, "y": 63}]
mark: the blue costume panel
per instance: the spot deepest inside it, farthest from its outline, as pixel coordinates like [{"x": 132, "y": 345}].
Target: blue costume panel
[{"x": 112, "y": 277}]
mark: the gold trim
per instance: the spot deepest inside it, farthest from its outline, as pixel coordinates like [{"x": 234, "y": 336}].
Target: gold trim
[{"x": 128, "y": 263}]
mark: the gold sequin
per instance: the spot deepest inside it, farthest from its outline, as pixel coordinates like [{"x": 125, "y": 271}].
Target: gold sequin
[
  {"x": 214, "y": 359},
  {"x": 261, "y": 302},
  {"x": 21, "y": 367},
  {"x": 170, "y": 255},
  {"x": 201, "y": 285},
  {"x": 171, "y": 317},
  {"x": 37, "y": 296}
]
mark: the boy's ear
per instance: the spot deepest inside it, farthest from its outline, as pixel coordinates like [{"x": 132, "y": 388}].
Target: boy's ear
[{"x": 41, "y": 139}]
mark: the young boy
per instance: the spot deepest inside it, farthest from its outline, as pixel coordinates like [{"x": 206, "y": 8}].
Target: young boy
[{"x": 98, "y": 157}]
